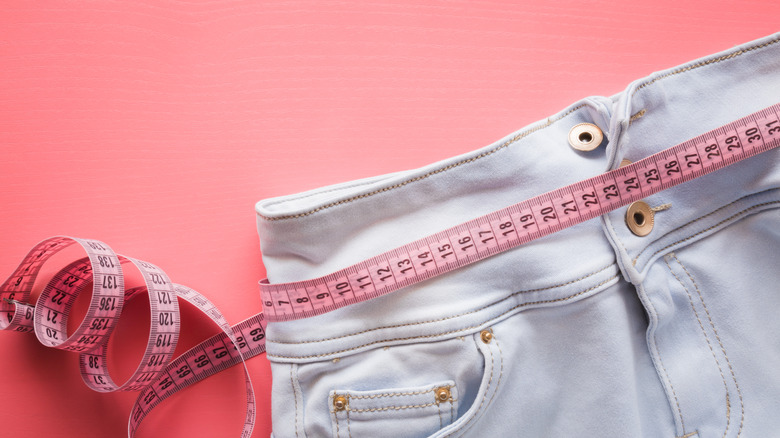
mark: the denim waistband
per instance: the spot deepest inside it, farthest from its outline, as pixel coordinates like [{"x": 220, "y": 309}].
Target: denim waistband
[{"x": 318, "y": 232}]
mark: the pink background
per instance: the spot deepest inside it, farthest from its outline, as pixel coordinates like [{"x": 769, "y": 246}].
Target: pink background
[{"x": 156, "y": 126}]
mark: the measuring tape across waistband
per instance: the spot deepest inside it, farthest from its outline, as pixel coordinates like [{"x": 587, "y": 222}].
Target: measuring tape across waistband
[
  {"x": 159, "y": 376},
  {"x": 520, "y": 223}
]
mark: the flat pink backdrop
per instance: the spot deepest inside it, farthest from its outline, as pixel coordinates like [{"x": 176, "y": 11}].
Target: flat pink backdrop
[{"x": 156, "y": 126}]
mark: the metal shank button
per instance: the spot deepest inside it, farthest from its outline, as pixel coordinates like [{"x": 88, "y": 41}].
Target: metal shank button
[
  {"x": 585, "y": 137},
  {"x": 640, "y": 218}
]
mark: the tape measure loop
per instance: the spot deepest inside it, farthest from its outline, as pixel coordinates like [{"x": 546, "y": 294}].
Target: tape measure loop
[
  {"x": 158, "y": 375},
  {"x": 101, "y": 269}
]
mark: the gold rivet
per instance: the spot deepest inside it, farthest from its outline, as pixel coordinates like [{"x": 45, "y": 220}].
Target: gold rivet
[
  {"x": 585, "y": 137},
  {"x": 486, "y": 336},
  {"x": 340, "y": 403},
  {"x": 640, "y": 218},
  {"x": 625, "y": 162},
  {"x": 442, "y": 394}
]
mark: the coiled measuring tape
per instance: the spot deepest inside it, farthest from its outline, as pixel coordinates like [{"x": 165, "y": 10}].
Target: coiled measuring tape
[{"x": 159, "y": 375}]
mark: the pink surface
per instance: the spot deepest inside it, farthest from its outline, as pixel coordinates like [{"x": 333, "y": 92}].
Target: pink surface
[{"x": 156, "y": 126}]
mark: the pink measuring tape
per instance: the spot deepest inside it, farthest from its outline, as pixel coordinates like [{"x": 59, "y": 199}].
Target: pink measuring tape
[{"x": 159, "y": 375}]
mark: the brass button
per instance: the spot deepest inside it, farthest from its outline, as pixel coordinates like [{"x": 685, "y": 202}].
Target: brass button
[
  {"x": 339, "y": 403},
  {"x": 442, "y": 394},
  {"x": 585, "y": 137},
  {"x": 640, "y": 218},
  {"x": 625, "y": 162},
  {"x": 486, "y": 336}
]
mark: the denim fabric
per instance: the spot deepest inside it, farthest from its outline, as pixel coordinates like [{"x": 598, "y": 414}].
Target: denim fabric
[{"x": 595, "y": 331}]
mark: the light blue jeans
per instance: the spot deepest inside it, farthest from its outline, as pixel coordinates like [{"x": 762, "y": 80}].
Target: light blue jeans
[{"x": 590, "y": 332}]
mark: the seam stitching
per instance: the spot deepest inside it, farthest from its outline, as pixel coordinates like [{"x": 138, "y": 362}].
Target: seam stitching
[
  {"x": 722, "y": 348},
  {"x": 389, "y": 394},
  {"x": 495, "y": 388},
  {"x": 517, "y": 137},
  {"x": 706, "y": 338},
  {"x": 295, "y": 397},
  {"x": 396, "y": 408},
  {"x": 704, "y": 216},
  {"x": 452, "y": 413},
  {"x": 638, "y": 115},
  {"x": 354, "y": 184},
  {"x": 450, "y": 331},
  {"x": 674, "y": 393},
  {"x": 349, "y": 428},
  {"x": 706, "y": 62},
  {"x": 441, "y": 420},
  {"x": 453, "y": 316},
  {"x": 656, "y": 354},
  {"x": 504, "y": 145},
  {"x": 500, "y": 371},
  {"x": 335, "y": 417},
  {"x": 739, "y": 213},
  {"x": 484, "y": 394}
]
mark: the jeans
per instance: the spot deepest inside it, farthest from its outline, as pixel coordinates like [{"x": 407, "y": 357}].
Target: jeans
[{"x": 592, "y": 331}]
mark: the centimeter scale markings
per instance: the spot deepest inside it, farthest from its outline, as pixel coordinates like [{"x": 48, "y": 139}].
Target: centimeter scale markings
[
  {"x": 159, "y": 376},
  {"x": 520, "y": 223}
]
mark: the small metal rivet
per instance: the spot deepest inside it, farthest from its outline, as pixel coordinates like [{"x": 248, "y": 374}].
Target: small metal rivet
[
  {"x": 625, "y": 162},
  {"x": 442, "y": 394},
  {"x": 640, "y": 218},
  {"x": 486, "y": 336},
  {"x": 585, "y": 137},
  {"x": 339, "y": 403}
]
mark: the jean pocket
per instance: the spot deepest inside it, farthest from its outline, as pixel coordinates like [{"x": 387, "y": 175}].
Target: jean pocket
[
  {"x": 414, "y": 411},
  {"x": 393, "y": 390},
  {"x": 492, "y": 378},
  {"x": 452, "y": 384}
]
